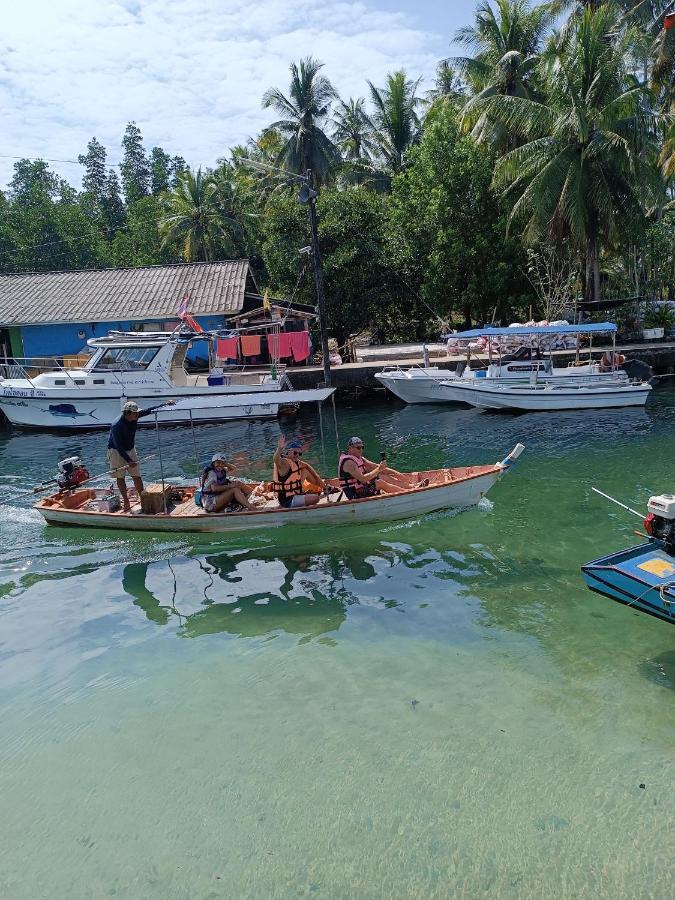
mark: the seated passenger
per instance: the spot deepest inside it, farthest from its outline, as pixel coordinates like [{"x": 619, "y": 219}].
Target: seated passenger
[
  {"x": 292, "y": 476},
  {"x": 217, "y": 489},
  {"x": 361, "y": 477}
]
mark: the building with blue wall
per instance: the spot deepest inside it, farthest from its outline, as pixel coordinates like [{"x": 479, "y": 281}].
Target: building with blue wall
[{"x": 56, "y": 313}]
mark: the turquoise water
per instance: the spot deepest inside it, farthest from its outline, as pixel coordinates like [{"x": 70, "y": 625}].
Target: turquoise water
[{"x": 422, "y": 709}]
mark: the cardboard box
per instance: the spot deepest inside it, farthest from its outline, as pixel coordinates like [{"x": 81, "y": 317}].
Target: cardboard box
[{"x": 153, "y": 499}]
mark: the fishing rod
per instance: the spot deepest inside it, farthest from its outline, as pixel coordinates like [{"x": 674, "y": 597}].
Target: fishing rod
[
  {"x": 618, "y": 503},
  {"x": 109, "y": 473}
]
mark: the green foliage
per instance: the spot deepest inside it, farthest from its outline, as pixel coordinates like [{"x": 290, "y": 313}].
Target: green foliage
[
  {"x": 134, "y": 167},
  {"x": 160, "y": 171},
  {"x": 356, "y": 268},
  {"x": 447, "y": 232},
  {"x": 139, "y": 243},
  {"x": 395, "y": 118},
  {"x": 305, "y": 112}
]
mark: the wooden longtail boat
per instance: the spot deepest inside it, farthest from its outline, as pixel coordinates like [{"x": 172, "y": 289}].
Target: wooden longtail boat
[{"x": 453, "y": 488}]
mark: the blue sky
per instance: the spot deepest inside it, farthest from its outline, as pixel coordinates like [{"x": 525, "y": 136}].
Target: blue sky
[{"x": 191, "y": 74}]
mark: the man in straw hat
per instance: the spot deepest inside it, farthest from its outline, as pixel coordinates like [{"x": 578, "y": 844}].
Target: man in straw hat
[{"x": 122, "y": 453}]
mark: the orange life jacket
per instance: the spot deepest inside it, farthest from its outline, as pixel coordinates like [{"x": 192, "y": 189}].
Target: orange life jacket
[
  {"x": 289, "y": 485},
  {"x": 358, "y": 487}
]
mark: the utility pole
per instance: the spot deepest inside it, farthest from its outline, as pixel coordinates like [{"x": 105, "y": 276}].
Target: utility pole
[{"x": 308, "y": 195}]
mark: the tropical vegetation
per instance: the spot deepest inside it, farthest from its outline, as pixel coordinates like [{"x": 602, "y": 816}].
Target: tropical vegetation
[{"x": 538, "y": 169}]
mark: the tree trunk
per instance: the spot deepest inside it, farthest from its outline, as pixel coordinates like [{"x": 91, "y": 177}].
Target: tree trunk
[{"x": 592, "y": 287}]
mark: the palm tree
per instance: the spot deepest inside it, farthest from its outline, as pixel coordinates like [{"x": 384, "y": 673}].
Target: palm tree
[
  {"x": 505, "y": 44},
  {"x": 353, "y": 131},
  {"x": 305, "y": 112},
  {"x": 196, "y": 217},
  {"x": 583, "y": 171},
  {"x": 395, "y": 119}
]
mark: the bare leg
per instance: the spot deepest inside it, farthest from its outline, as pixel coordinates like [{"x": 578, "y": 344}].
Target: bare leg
[
  {"x": 138, "y": 484},
  {"x": 122, "y": 488}
]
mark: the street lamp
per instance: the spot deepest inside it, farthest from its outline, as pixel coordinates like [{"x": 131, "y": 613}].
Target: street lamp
[{"x": 307, "y": 196}]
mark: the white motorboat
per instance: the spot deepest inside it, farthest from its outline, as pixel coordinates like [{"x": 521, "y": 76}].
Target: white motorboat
[
  {"x": 546, "y": 396},
  {"x": 145, "y": 367},
  {"x": 428, "y": 491},
  {"x": 531, "y": 364}
]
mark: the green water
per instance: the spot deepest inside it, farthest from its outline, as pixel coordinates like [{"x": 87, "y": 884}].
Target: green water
[{"x": 435, "y": 708}]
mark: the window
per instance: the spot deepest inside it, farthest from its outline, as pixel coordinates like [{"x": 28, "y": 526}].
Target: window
[
  {"x": 80, "y": 381},
  {"x": 59, "y": 381},
  {"x": 99, "y": 380},
  {"x": 127, "y": 359}
]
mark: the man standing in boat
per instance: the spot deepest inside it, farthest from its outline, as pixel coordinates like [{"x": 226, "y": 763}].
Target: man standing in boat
[{"x": 122, "y": 453}]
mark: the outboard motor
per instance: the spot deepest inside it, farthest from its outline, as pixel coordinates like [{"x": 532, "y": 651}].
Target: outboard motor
[
  {"x": 660, "y": 523},
  {"x": 71, "y": 473}
]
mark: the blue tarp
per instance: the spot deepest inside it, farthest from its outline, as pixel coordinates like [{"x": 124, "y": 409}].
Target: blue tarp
[{"x": 532, "y": 329}]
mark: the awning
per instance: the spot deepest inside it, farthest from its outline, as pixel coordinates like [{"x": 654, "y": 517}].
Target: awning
[
  {"x": 595, "y": 327},
  {"x": 259, "y": 398}
]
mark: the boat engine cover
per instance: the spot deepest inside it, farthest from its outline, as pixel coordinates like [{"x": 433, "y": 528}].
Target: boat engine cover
[{"x": 662, "y": 505}]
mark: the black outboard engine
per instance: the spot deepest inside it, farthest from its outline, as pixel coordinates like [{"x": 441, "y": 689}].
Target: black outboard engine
[
  {"x": 660, "y": 523},
  {"x": 71, "y": 473}
]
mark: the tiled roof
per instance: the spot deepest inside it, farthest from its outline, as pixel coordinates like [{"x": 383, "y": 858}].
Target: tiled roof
[{"x": 119, "y": 295}]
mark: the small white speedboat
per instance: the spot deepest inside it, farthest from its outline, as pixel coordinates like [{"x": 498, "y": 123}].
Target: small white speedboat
[
  {"x": 428, "y": 491},
  {"x": 548, "y": 396}
]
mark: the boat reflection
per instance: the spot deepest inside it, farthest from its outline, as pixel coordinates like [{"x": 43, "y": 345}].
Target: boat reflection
[{"x": 248, "y": 594}]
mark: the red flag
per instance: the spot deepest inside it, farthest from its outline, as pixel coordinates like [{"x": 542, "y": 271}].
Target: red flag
[
  {"x": 193, "y": 323},
  {"x": 669, "y": 21}
]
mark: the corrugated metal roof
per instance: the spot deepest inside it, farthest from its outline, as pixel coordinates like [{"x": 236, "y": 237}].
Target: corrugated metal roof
[{"x": 121, "y": 295}]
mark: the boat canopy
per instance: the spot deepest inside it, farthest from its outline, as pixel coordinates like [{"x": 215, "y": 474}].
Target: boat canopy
[
  {"x": 260, "y": 398},
  {"x": 591, "y": 328}
]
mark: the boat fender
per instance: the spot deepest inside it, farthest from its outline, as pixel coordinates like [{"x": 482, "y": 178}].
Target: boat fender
[{"x": 198, "y": 498}]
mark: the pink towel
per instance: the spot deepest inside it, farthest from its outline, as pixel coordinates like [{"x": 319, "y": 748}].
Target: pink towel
[
  {"x": 227, "y": 348},
  {"x": 300, "y": 345},
  {"x": 279, "y": 345},
  {"x": 250, "y": 345}
]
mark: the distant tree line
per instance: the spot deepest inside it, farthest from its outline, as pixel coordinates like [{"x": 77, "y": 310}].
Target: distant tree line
[{"x": 551, "y": 142}]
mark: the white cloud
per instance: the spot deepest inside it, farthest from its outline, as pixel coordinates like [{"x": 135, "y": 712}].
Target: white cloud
[{"x": 191, "y": 74}]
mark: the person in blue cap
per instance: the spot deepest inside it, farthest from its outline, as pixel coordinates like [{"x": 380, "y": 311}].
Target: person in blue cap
[{"x": 292, "y": 474}]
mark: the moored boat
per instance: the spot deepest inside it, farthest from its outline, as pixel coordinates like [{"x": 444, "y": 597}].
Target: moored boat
[
  {"x": 428, "y": 491},
  {"x": 147, "y": 367},
  {"x": 641, "y": 577},
  {"x": 527, "y": 365}
]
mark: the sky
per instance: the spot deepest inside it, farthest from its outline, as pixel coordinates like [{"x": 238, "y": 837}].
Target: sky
[{"x": 191, "y": 74}]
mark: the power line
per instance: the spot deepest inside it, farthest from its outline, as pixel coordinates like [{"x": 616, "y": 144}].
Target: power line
[{"x": 40, "y": 159}]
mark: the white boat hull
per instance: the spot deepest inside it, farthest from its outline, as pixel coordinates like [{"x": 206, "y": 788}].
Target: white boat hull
[
  {"x": 32, "y": 408},
  {"x": 387, "y": 507},
  {"x": 548, "y": 397}
]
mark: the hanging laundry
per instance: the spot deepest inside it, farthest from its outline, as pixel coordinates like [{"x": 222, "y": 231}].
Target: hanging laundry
[
  {"x": 300, "y": 345},
  {"x": 227, "y": 348},
  {"x": 279, "y": 345},
  {"x": 250, "y": 345}
]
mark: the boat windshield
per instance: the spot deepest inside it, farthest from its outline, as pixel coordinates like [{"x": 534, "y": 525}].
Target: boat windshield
[{"x": 126, "y": 358}]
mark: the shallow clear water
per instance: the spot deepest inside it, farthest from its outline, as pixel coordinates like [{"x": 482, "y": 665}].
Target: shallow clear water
[{"x": 423, "y": 709}]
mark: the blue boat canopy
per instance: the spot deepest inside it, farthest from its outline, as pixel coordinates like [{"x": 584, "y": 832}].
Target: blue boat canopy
[{"x": 591, "y": 328}]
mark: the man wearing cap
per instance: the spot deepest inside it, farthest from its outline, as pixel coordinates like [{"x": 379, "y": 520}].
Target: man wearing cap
[
  {"x": 291, "y": 474},
  {"x": 361, "y": 477},
  {"x": 122, "y": 454}
]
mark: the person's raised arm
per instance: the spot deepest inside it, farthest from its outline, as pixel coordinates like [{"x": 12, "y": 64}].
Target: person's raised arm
[{"x": 278, "y": 458}]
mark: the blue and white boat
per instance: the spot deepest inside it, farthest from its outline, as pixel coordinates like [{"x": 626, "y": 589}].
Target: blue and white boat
[{"x": 641, "y": 577}]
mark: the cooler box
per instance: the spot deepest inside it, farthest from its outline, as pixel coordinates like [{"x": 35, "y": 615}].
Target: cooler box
[{"x": 214, "y": 380}]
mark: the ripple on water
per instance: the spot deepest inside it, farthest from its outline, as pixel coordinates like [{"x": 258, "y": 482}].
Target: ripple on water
[{"x": 415, "y": 709}]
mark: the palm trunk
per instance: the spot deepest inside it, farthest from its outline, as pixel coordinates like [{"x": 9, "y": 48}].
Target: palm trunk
[{"x": 592, "y": 291}]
